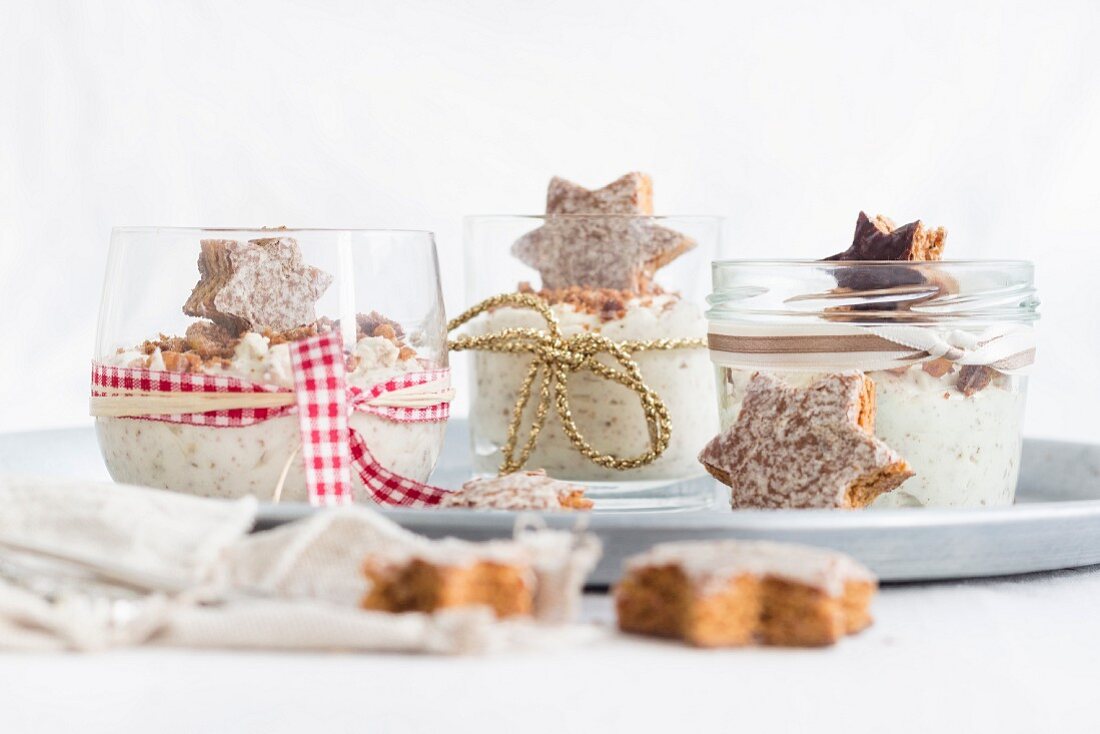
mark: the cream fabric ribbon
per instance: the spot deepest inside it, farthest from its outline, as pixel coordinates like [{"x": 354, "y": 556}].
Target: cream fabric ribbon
[{"x": 1007, "y": 348}]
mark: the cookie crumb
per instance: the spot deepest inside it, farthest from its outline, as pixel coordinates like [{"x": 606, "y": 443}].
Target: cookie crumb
[{"x": 608, "y": 304}]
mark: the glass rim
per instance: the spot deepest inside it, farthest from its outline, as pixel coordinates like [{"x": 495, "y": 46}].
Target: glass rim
[
  {"x": 680, "y": 217},
  {"x": 942, "y": 264},
  {"x": 954, "y": 291},
  {"x": 146, "y": 229}
]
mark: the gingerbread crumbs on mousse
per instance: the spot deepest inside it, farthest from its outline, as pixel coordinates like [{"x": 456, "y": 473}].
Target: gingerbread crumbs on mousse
[
  {"x": 207, "y": 344},
  {"x": 608, "y": 304}
]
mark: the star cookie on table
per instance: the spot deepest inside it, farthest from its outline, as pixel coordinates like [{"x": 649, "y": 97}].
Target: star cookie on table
[
  {"x": 600, "y": 238},
  {"x": 256, "y": 285},
  {"x": 810, "y": 447},
  {"x": 451, "y": 573},
  {"x": 723, "y": 593}
]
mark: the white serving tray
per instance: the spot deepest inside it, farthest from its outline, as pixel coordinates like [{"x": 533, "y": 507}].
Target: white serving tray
[{"x": 1055, "y": 523}]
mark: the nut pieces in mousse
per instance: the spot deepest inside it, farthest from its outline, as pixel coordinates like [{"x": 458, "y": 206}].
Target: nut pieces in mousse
[
  {"x": 733, "y": 592},
  {"x": 811, "y": 447},
  {"x": 598, "y": 254},
  {"x": 253, "y": 299},
  {"x": 944, "y": 433}
]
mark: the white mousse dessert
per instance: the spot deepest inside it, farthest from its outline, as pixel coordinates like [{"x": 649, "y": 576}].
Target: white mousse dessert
[{"x": 213, "y": 461}]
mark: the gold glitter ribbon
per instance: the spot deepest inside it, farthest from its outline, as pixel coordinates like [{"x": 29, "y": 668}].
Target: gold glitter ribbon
[{"x": 555, "y": 357}]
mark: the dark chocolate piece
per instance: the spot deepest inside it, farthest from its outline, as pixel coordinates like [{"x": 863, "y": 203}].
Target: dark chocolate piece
[{"x": 880, "y": 240}]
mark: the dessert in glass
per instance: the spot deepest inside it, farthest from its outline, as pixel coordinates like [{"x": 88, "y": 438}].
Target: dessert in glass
[
  {"x": 254, "y": 295},
  {"x": 882, "y": 376},
  {"x": 606, "y": 267}
]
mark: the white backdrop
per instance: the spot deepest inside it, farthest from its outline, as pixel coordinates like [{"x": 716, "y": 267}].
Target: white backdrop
[{"x": 786, "y": 117}]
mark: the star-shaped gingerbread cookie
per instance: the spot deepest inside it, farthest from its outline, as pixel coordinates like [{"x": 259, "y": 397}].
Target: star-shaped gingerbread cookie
[
  {"x": 601, "y": 238},
  {"x": 256, "y": 285},
  {"x": 810, "y": 447}
]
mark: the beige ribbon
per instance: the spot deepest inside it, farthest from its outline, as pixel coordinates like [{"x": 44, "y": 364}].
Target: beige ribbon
[
  {"x": 123, "y": 403},
  {"x": 1008, "y": 349},
  {"x": 806, "y": 344}
]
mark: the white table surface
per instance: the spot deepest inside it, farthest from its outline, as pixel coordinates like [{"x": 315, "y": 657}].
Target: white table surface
[{"x": 1019, "y": 654}]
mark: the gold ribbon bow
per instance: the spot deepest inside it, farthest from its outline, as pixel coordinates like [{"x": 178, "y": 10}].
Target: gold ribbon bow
[{"x": 556, "y": 357}]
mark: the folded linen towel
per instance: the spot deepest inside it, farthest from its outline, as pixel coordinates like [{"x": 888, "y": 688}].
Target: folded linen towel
[{"x": 88, "y": 565}]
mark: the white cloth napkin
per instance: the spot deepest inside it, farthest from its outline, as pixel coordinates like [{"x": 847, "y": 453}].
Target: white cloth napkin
[
  {"x": 156, "y": 540},
  {"x": 87, "y": 566}
]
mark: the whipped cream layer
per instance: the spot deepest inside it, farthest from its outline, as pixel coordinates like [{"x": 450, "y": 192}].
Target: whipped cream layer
[
  {"x": 233, "y": 462},
  {"x": 965, "y": 450},
  {"x": 608, "y": 415}
]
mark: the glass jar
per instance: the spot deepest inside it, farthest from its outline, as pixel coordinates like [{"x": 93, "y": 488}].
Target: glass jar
[
  {"x": 379, "y": 289},
  {"x": 946, "y": 344},
  {"x": 608, "y": 415}
]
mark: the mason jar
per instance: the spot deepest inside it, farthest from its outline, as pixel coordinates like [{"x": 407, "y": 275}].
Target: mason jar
[{"x": 946, "y": 344}]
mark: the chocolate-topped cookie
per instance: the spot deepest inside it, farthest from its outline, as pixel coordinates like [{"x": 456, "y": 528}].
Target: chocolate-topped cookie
[{"x": 879, "y": 240}]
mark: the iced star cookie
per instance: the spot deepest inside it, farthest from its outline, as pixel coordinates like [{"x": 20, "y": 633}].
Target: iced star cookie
[
  {"x": 732, "y": 593},
  {"x": 811, "y": 447},
  {"x": 256, "y": 285},
  {"x": 620, "y": 249}
]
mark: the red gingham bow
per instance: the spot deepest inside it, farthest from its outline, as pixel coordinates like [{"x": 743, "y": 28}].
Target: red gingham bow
[{"x": 330, "y": 446}]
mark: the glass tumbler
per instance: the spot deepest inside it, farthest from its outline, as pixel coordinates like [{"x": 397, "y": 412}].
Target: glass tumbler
[{"x": 378, "y": 289}]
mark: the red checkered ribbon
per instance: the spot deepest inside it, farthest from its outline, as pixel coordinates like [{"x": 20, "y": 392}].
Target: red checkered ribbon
[
  {"x": 321, "y": 392},
  {"x": 323, "y": 401},
  {"x": 130, "y": 379}
]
